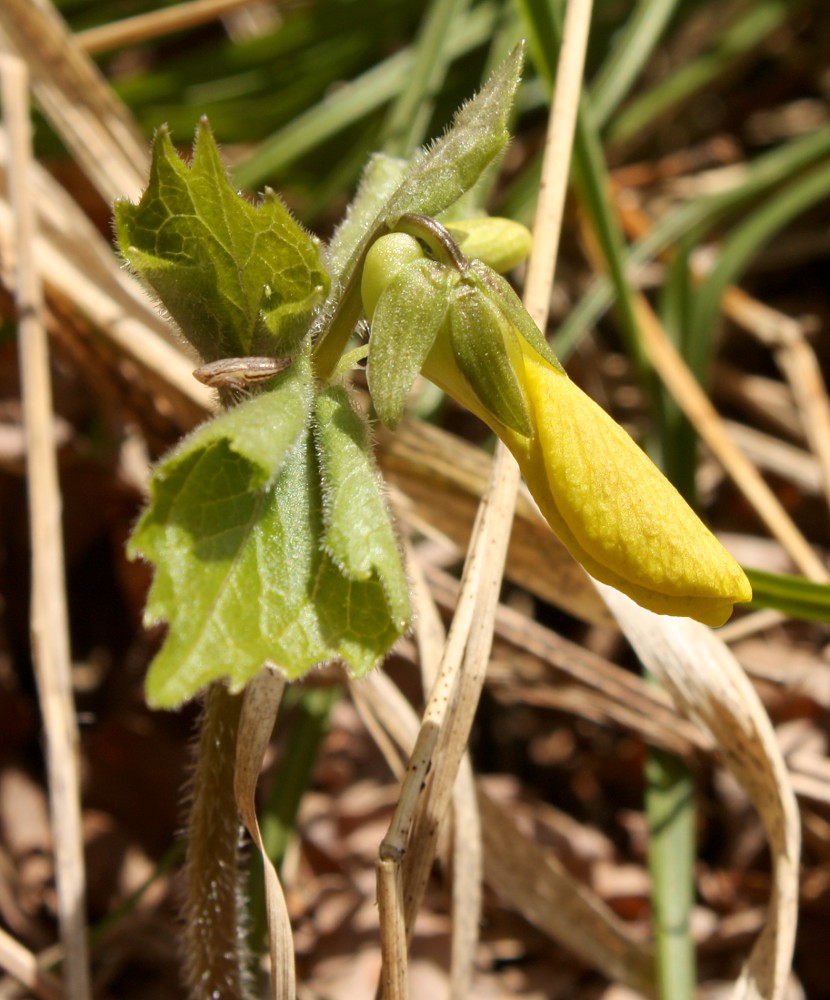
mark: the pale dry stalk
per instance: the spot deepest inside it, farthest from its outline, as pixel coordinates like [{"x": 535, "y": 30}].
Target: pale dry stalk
[
  {"x": 49, "y": 622},
  {"x": 433, "y": 767}
]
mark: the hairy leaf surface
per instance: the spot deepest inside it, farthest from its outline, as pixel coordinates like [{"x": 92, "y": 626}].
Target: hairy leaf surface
[
  {"x": 238, "y": 279},
  {"x": 261, "y": 554}
]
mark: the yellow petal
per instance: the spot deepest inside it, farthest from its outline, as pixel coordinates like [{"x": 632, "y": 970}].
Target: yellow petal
[{"x": 615, "y": 511}]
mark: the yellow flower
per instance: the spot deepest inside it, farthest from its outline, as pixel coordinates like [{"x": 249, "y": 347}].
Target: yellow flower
[
  {"x": 616, "y": 513},
  {"x": 614, "y": 510}
]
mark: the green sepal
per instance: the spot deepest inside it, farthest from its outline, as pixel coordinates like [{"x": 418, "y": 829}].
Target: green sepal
[
  {"x": 358, "y": 533},
  {"x": 408, "y": 316},
  {"x": 238, "y": 279},
  {"x": 481, "y": 340},
  {"x": 501, "y": 292}
]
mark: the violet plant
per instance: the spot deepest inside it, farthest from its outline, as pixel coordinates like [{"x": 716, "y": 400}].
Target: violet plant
[{"x": 267, "y": 527}]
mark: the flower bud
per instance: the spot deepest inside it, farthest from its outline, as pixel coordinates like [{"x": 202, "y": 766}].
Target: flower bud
[
  {"x": 467, "y": 331},
  {"x": 500, "y": 243},
  {"x": 615, "y": 511},
  {"x": 386, "y": 257}
]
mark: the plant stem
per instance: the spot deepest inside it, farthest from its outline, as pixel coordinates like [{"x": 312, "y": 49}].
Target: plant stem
[
  {"x": 334, "y": 339},
  {"x": 437, "y": 238},
  {"x": 215, "y": 952}
]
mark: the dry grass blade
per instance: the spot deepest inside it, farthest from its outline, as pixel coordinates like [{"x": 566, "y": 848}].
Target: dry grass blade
[
  {"x": 259, "y": 711},
  {"x": 449, "y": 714},
  {"x": 766, "y": 399},
  {"x": 774, "y": 455},
  {"x": 710, "y": 687},
  {"x": 49, "y": 624},
  {"x": 697, "y": 407},
  {"x": 622, "y": 697},
  {"x": 536, "y": 884},
  {"x": 393, "y": 938},
  {"x": 79, "y": 270},
  {"x": 524, "y": 875},
  {"x": 454, "y": 697},
  {"x": 83, "y": 109},
  {"x": 467, "y": 868},
  {"x": 467, "y": 849},
  {"x": 24, "y": 966},
  {"x": 153, "y": 24},
  {"x": 443, "y": 735},
  {"x": 799, "y": 365}
]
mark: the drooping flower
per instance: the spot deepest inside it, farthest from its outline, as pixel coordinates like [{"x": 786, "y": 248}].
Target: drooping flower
[{"x": 614, "y": 510}]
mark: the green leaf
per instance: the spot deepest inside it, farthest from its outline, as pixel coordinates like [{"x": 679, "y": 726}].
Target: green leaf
[
  {"x": 261, "y": 430},
  {"x": 238, "y": 279},
  {"x": 359, "y": 535},
  {"x": 409, "y": 313},
  {"x": 454, "y": 163},
  {"x": 240, "y": 544}
]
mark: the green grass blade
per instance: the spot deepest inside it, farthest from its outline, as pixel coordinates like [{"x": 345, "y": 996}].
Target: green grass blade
[
  {"x": 738, "y": 250},
  {"x": 702, "y": 213},
  {"x": 670, "y": 806},
  {"x": 409, "y": 117},
  {"x": 760, "y": 20},
  {"x": 339, "y": 111},
  {"x": 633, "y": 46},
  {"x": 792, "y": 595}
]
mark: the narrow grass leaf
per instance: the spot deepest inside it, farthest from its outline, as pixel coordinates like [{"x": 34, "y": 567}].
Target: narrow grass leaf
[
  {"x": 732, "y": 45},
  {"x": 792, "y": 595}
]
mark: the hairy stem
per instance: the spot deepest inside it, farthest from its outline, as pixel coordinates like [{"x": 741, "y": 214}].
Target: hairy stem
[{"x": 215, "y": 955}]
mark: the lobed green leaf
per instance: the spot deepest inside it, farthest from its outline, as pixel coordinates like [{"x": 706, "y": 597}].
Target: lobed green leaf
[
  {"x": 254, "y": 556},
  {"x": 238, "y": 279},
  {"x": 358, "y": 535},
  {"x": 261, "y": 430}
]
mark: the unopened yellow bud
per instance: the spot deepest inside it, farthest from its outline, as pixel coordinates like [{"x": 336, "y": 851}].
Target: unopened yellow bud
[{"x": 615, "y": 511}]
